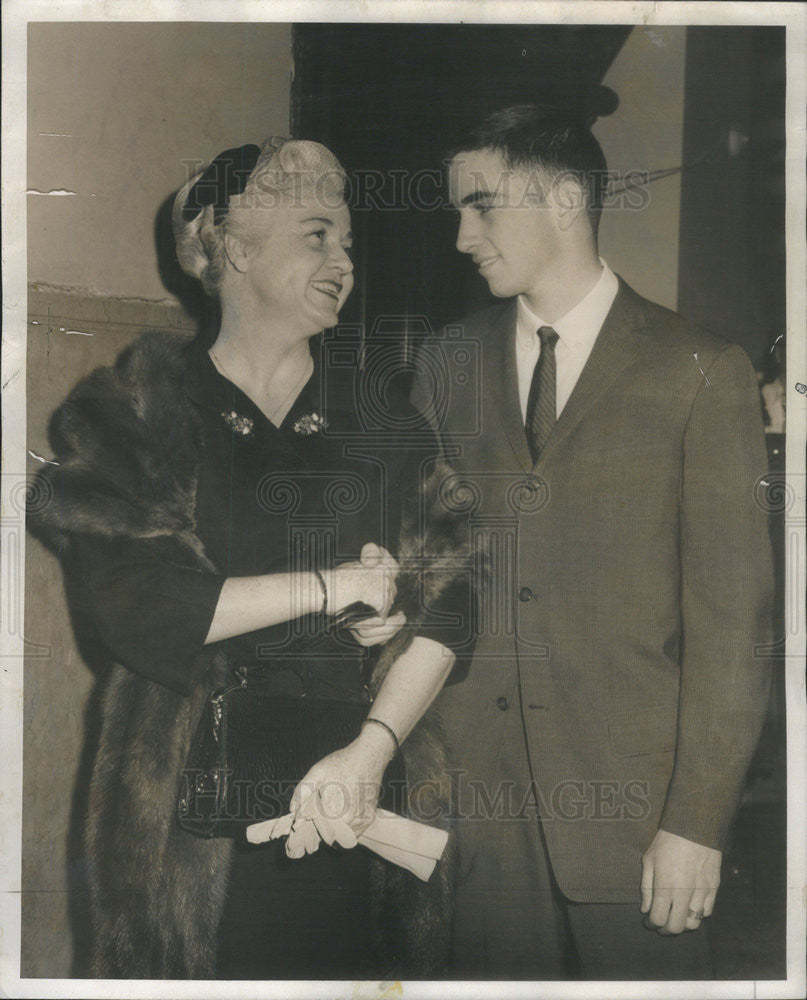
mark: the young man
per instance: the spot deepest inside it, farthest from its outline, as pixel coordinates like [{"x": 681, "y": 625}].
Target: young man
[{"x": 614, "y": 700}]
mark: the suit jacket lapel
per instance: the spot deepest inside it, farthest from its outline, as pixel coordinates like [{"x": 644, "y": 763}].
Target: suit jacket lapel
[
  {"x": 501, "y": 401},
  {"x": 614, "y": 349}
]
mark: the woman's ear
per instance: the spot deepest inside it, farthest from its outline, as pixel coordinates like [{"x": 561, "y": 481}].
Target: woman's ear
[
  {"x": 569, "y": 201},
  {"x": 236, "y": 253}
]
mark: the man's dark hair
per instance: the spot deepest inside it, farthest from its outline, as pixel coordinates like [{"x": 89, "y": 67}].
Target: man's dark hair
[{"x": 530, "y": 138}]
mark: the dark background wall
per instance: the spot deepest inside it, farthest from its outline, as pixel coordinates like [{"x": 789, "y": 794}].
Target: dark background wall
[
  {"x": 388, "y": 98},
  {"x": 732, "y": 237}
]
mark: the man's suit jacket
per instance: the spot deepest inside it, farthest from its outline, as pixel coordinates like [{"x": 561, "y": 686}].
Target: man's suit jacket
[{"x": 629, "y": 584}]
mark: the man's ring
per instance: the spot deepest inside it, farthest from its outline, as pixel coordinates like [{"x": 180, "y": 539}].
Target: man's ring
[{"x": 695, "y": 914}]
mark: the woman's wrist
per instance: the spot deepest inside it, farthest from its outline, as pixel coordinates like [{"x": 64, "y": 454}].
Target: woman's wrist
[
  {"x": 309, "y": 595},
  {"x": 381, "y": 737},
  {"x": 341, "y": 587},
  {"x": 323, "y": 586},
  {"x": 325, "y": 579}
]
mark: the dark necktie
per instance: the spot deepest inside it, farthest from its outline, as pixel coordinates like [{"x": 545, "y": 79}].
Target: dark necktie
[{"x": 541, "y": 413}]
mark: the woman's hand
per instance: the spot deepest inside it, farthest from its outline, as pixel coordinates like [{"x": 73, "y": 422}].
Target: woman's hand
[
  {"x": 336, "y": 800},
  {"x": 373, "y": 631},
  {"x": 369, "y": 581}
]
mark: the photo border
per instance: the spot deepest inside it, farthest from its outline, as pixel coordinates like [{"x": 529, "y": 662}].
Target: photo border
[{"x": 16, "y": 15}]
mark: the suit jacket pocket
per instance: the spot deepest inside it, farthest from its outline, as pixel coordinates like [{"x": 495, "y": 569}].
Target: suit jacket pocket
[{"x": 645, "y": 731}]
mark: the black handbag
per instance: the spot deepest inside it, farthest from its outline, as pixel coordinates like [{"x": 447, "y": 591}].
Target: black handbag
[{"x": 252, "y": 746}]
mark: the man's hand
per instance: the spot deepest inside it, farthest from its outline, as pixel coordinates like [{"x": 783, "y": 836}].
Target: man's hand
[{"x": 679, "y": 883}]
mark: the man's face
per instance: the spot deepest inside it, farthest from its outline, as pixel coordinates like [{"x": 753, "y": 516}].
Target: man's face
[{"x": 506, "y": 225}]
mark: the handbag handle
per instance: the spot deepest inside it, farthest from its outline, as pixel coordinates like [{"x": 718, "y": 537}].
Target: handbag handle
[{"x": 349, "y": 616}]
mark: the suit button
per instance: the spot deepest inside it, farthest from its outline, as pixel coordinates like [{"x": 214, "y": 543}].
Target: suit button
[
  {"x": 525, "y": 594},
  {"x": 502, "y": 703}
]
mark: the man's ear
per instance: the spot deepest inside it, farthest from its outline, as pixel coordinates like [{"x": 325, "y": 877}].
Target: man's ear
[
  {"x": 236, "y": 253},
  {"x": 569, "y": 200}
]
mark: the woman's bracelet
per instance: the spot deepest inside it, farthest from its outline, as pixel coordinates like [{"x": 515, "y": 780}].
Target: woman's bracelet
[
  {"x": 324, "y": 589},
  {"x": 383, "y": 725}
]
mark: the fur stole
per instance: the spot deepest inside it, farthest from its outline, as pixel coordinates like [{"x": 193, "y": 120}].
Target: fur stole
[{"x": 128, "y": 443}]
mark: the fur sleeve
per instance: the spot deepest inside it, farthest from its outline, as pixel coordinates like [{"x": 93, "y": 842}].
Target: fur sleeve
[
  {"x": 127, "y": 451},
  {"x": 434, "y": 555}
]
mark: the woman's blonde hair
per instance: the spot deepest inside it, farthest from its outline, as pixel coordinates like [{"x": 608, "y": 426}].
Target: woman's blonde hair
[{"x": 285, "y": 170}]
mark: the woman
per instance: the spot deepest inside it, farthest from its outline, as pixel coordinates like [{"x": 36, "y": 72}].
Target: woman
[{"x": 216, "y": 509}]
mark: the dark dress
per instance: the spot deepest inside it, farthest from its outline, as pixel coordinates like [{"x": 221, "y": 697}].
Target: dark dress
[{"x": 272, "y": 500}]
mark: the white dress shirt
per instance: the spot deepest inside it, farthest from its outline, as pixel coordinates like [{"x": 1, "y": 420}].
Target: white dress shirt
[{"x": 576, "y": 331}]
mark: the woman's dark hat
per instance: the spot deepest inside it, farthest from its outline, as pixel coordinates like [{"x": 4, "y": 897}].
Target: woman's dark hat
[{"x": 226, "y": 176}]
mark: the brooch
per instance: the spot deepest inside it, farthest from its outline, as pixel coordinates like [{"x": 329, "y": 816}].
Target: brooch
[
  {"x": 241, "y": 425},
  {"x": 310, "y": 423}
]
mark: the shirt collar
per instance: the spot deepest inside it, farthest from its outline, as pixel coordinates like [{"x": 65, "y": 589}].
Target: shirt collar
[{"x": 581, "y": 325}]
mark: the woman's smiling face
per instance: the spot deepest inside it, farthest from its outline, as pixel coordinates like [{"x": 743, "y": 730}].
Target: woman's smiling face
[{"x": 301, "y": 271}]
